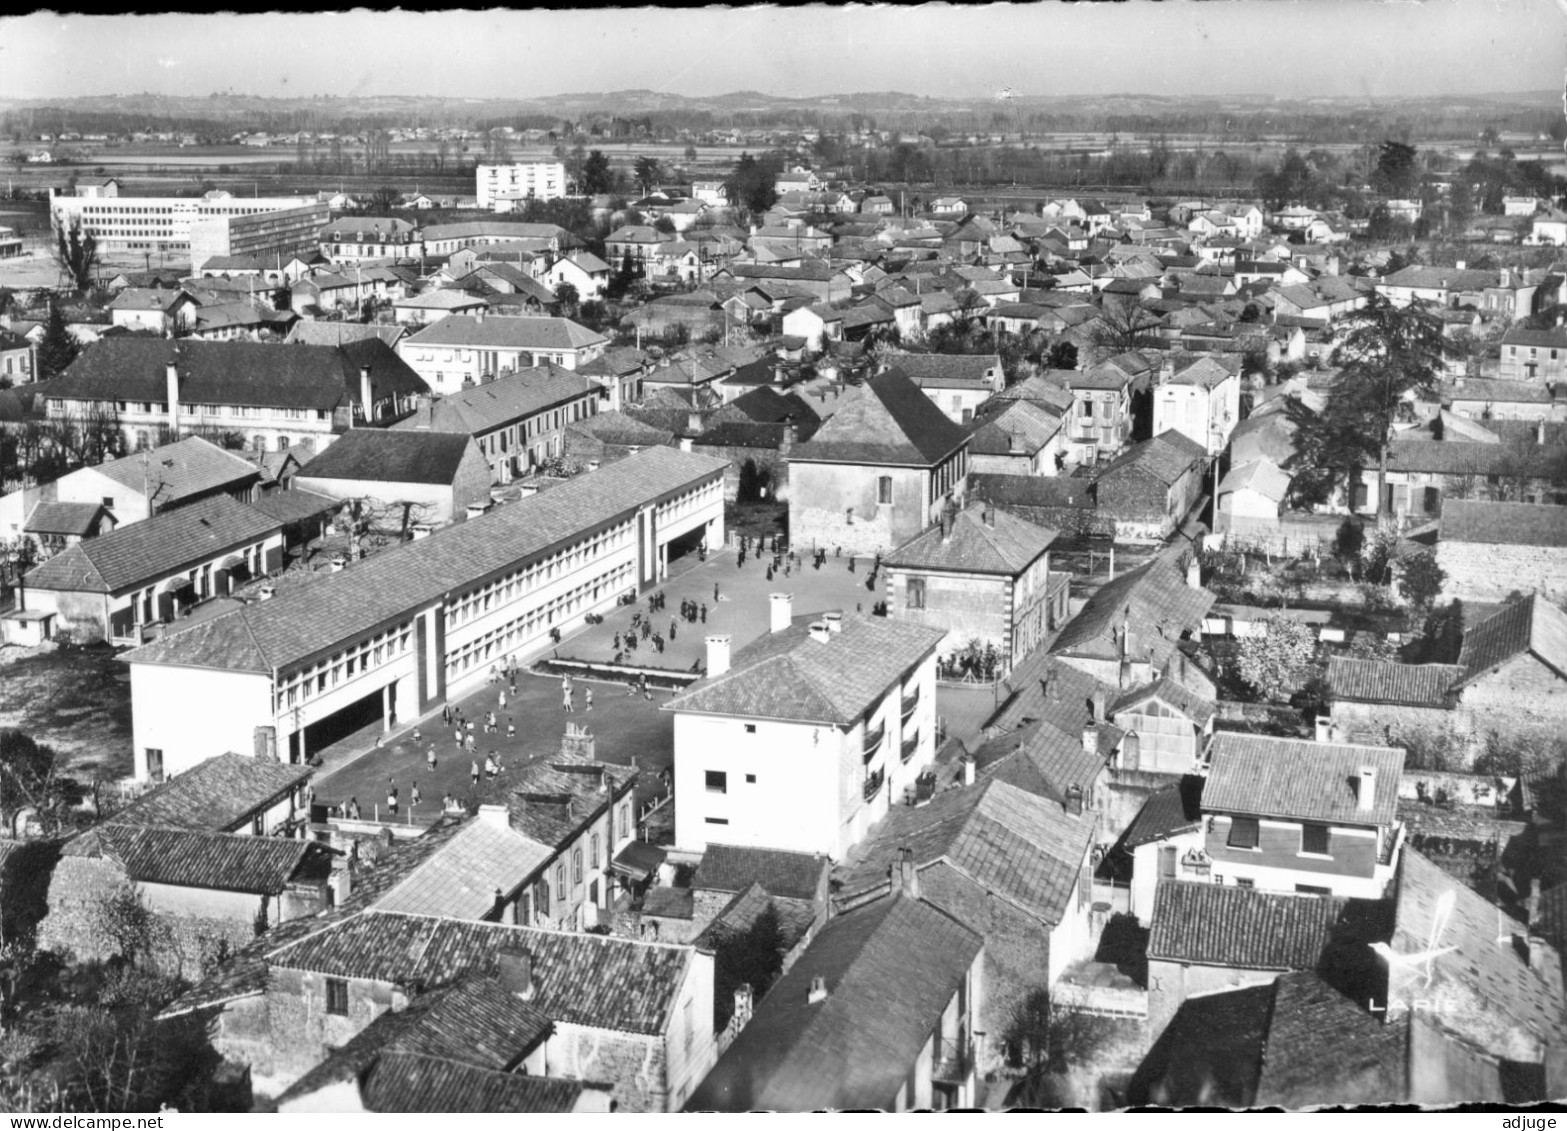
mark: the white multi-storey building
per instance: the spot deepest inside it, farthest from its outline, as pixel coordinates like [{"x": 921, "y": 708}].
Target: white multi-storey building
[
  {"x": 165, "y": 223},
  {"x": 500, "y": 185}
]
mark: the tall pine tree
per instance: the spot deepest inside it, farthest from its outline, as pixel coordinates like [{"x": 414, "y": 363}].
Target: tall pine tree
[{"x": 59, "y": 346}]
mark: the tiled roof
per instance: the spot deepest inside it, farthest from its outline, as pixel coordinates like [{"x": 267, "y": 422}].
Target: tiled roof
[
  {"x": 1440, "y": 278},
  {"x": 311, "y": 333},
  {"x": 218, "y": 861},
  {"x": 136, "y": 298},
  {"x": 737, "y": 917},
  {"x": 1042, "y": 389},
  {"x": 1173, "y": 809},
  {"x": 553, "y": 799},
  {"x": 1502, "y": 524},
  {"x": 1166, "y": 457},
  {"x": 464, "y": 330},
  {"x": 887, "y": 420},
  {"x": 1496, "y": 391},
  {"x": 596, "y": 981},
  {"x": 171, "y": 472},
  {"x": 448, "y": 300},
  {"x": 1012, "y": 427},
  {"x": 63, "y": 518},
  {"x": 781, "y": 873},
  {"x": 1210, "y": 1054},
  {"x": 1204, "y": 372},
  {"x": 460, "y": 880},
  {"x": 407, "y": 1083},
  {"x": 923, "y": 368},
  {"x": 1262, "y": 476},
  {"x": 1551, "y": 920},
  {"x": 144, "y": 552},
  {"x": 1322, "y": 1048},
  {"x": 619, "y": 428},
  {"x": 214, "y": 795},
  {"x": 1532, "y": 625},
  {"x": 236, "y": 373},
  {"x": 789, "y": 675},
  {"x": 294, "y": 504},
  {"x": 294, "y": 626},
  {"x": 1020, "y": 845},
  {"x": 1384, "y": 681},
  {"x": 385, "y": 456},
  {"x": 1297, "y": 779},
  {"x": 1154, "y": 599},
  {"x": 1105, "y": 376},
  {"x": 501, "y": 402},
  {"x": 980, "y": 540},
  {"x": 1244, "y": 928},
  {"x": 1483, "y": 991},
  {"x": 1199, "y": 710},
  {"x": 890, "y": 969}
]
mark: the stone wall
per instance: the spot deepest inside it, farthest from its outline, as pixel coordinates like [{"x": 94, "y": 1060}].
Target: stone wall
[
  {"x": 635, "y": 1066},
  {"x": 1524, "y": 697},
  {"x": 1478, "y": 572},
  {"x": 1171, "y": 983},
  {"x": 298, "y": 1032},
  {"x": 766, "y": 459},
  {"x": 1378, "y": 724}
]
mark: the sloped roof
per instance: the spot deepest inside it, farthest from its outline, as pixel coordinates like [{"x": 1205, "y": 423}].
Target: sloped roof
[
  {"x": 496, "y": 332},
  {"x": 408, "y": 1083},
  {"x": 890, "y": 968},
  {"x": 235, "y": 373},
  {"x": 789, "y": 675},
  {"x": 1502, "y": 524},
  {"x": 63, "y": 518},
  {"x": 1166, "y": 457},
  {"x": 1154, "y": 599},
  {"x": 781, "y": 873},
  {"x": 294, "y": 505},
  {"x": 461, "y": 879},
  {"x": 1384, "y": 681},
  {"x": 1260, "y": 475},
  {"x": 1297, "y": 779},
  {"x": 387, "y": 456},
  {"x": 1322, "y": 1048},
  {"x": 1533, "y": 625},
  {"x": 214, "y": 795},
  {"x": 172, "y": 472},
  {"x": 1017, "y": 844},
  {"x": 311, "y": 333},
  {"x": 885, "y": 421},
  {"x": 216, "y": 861},
  {"x": 597, "y": 981},
  {"x": 1013, "y": 425},
  {"x": 1199, "y": 710},
  {"x": 1204, "y": 372},
  {"x": 495, "y": 404},
  {"x": 142, "y": 552},
  {"x": 553, "y": 799},
  {"x": 1210, "y": 1054},
  {"x": 1173, "y": 809},
  {"x": 980, "y": 540},
  {"x": 923, "y": 368},
  {"x": 296, "y": 625},
  {"x": 1243, "y": 928}
]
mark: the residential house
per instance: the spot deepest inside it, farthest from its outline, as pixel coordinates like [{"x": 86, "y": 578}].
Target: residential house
[
  {"x": 804, "y": 738},
  {"x": 1168, "y": 727},
  {"x": 1251, "y": 500},
  {"x": 110, "y": 587},
  {"x": 1515, "y": 672},
  {"x": 1017, "y": 437},
  {"x": 879, "y": 471},
  {"x": 51, "y": 527},
  {"x": 1533, "y": 355},
  {"x": 619, "y": 372},
  {"x": 797, "y": 884},
  {"x": 1384, "y": 701},
  {"x": 818, "y": 278},
  {"x": 1201, "y": 400},
  {"x": 1489, "y": 550},
  {"x": 1012, "y": 866},
  {"x": 518, "y": 420},
  {"x": 229, "y": 793},
  {"x": 878, "y": 1012},
  {"x": 299, "y": 396},
  {"x": 1503, "y": 293},
  {"x": 956, "y": 383},
  {"x": 1099, "y": 423},
  {"x": 464, "y": 349},
  {"x": 351, "y": 239},
  {"x": 206, "y": 891},
  {"x": 18, "y": 358},
  {"x": 980, "y": 574},
  {"x": 1319, "y": 818},
  {"x": 432, "y": 307},
  {"x": 1151, "y": 487},
  {"x": 1164, "y": 842},
  {"x": 1549, "y": 227},
  {"x": 1484, "y": 399},
  {"x": 160, "y": 312},
  {"x": 583, "y": 270},
  {"x": 312, "y": 333},
  {"x": 409, "y": 477}
]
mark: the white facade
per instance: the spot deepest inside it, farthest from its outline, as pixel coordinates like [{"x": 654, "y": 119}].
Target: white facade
[
  {"x": 542, "y": 180},
  {"x": 800, "y": 786},
  {"x": 1204, "y": 416},
  {"x": 193, "y": 712},
  {"x": 156, "y": 223}
]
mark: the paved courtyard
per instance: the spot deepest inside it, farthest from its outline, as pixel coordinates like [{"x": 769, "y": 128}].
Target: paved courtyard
[{"x": 741, "y": 610}]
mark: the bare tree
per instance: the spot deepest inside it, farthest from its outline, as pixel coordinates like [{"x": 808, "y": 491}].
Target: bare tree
[{"x": 76, "y": 252}]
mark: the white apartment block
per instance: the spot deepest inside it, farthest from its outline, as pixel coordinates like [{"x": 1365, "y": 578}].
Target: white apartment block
[
  {"x": 542, "y": 180},
  {"x": 158, "y": 223}
]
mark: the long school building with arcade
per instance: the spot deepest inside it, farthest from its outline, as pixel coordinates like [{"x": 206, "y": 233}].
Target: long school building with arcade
[{"x": 395, "y": 635}]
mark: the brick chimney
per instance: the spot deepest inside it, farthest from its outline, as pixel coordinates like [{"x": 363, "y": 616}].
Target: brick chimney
[
  {"x": 717, "y": 655},
  {"x": 781, "y": 611},
  {"x": 906, "y": 877},
  {"x": 967, "y": 766},
  {"x": 1366, "y": 790},
  {"x": 366, "y": 393},
  {"x": 833, "y": 621},
  {"x": 496, "y": 816},
  {"x": 1074, "y": 800},
  {"x": 514, "y": 971}
]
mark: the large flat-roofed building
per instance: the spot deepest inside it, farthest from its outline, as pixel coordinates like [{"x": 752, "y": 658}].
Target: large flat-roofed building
[
  {"x": 400, "y": 632},
  {"x": 276, "y": 235},
  {"x": 158, "y": 223},
  {"x": 542, "y": 180}
]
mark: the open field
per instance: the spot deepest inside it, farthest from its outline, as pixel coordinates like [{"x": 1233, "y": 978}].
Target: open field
[{"x": 77, "y": 701}]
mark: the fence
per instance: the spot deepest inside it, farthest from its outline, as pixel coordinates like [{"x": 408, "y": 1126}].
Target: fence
[{"x": 1115, "y": 894}]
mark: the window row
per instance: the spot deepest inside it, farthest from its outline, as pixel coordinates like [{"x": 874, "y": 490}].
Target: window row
[
  {"x": 496, "y": 593},
  {"x": 318, "y": 678},
  {"x": 509, "y": 637}
]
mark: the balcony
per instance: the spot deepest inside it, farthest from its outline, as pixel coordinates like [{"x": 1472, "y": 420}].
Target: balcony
[
  {"x": 874, "y": 783},
  {"x": 910, "y": 745},
  {"x": 873, "y": 742},
  {"x": 952, "y": 1061},
  {"x": 910, "y": 704}
]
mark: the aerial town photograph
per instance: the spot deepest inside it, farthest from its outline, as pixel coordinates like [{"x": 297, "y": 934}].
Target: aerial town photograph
[{"x": 958, "y": 558}]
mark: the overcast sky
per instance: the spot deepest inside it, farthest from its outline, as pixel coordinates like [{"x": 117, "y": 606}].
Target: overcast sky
[{"x": 1290, "y": 48}]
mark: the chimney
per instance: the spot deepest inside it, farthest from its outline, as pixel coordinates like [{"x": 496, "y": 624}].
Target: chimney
[
  {"x": 342, "y": 886},
  {"x": 906, "y": 877},
  {"x": 1539, "y": 954},
  {"x": 988, "y": 514},
  {"x": 172, "y": 376},
  {"x": 337, "y": 563},
  {"x": 478, "y": 315},
  {"x": 787, "y": 441},
  {"x": 266, "y": 592},
  {"x": 781, "y": 609},
  {"x": 1194, "y": 573},
  {"x": 366, "y": 395},
  {"x": 818, "y": 990},
  {"x": 967, "y": 766},
  {"x": 834, "y": 621},
  {"x": 1074, "y": 800},
  {"x": 514, "y": 971},
  {"x": 1324, "y": 728},
  {"x": 1099, "y": 706},
  {"x": 717, "y": 655},
  {"x": 497, "y": 816},
  {"x": 820, "y": 632},
  {"x": 1366, "y": 790},
  {"x": 1090, "y": 740},
  {"x": 693, "y": 421},
  {"x": 265, "y": 739},
  {"x": 1534, "y": 901},
  {"x": 1539, "y": 432}
]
